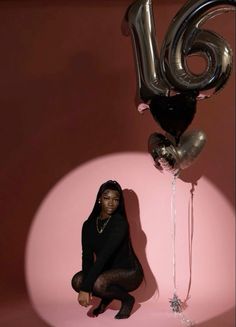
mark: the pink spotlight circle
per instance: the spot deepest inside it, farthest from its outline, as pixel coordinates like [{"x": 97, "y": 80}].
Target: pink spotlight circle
[{"x": 53, "y": 252}]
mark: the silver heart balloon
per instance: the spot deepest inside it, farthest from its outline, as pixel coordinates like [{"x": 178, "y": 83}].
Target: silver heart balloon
[
  {"x": 173, "y": 158},
  {"x": 189, "y": 147}
]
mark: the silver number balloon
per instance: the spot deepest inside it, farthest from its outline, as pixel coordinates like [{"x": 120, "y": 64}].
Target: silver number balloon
[
  {"x": 185, "y": 37},
  {"x": 140, "y": 21},
  {"x": 161, "y": 75}
]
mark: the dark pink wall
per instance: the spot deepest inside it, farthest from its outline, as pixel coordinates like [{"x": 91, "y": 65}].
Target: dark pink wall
[{"x": 67, "y": 96}]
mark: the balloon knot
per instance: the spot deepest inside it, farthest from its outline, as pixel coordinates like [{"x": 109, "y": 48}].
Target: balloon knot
[{"x": 143, "y": 107}]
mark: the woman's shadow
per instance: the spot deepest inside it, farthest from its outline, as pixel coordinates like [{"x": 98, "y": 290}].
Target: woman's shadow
[{"x": 139, "y": 241}]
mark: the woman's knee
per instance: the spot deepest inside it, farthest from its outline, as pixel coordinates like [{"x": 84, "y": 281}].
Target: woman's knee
[
  {"x": 76, "y": 281},
  {"x": 100, "y": 284}
]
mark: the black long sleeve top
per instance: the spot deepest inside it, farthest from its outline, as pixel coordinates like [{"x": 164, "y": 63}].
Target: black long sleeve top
[{"x": 106, "y": 250}]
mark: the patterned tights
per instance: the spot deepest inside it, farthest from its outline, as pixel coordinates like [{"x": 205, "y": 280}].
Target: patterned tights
[{"x": 113, "y": 284}]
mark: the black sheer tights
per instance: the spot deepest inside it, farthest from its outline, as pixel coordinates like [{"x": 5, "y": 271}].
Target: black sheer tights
[{"x": 113, "y": 284}]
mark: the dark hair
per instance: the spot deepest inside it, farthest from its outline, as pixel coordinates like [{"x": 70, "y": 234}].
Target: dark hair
[{"x": 109, "y": 185}]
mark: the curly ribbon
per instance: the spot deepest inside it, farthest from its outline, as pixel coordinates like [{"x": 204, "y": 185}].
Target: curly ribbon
[
  {"x": 190, "y": 242},
  {"x": 177, "y": 306}
]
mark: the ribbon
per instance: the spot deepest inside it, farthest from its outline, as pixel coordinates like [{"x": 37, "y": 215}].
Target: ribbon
[{"x": 177, "y": 306}]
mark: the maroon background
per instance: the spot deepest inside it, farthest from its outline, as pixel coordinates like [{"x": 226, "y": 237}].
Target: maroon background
[{"x": 67, "y": 95}]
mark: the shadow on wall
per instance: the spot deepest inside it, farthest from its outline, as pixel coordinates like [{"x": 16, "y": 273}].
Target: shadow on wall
[{"x": 139, "y": 242}]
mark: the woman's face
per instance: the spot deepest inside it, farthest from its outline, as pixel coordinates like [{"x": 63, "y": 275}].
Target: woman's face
[{"x": 109, "y": 202}]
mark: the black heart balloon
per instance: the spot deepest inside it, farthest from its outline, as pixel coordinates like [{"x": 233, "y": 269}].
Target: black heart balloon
[{"x": 174, "y": 113}]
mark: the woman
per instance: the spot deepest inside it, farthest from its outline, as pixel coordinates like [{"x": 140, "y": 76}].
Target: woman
[{"x": 110, "y": 268}]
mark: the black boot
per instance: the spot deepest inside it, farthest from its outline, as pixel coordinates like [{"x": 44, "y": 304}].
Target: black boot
[
  {"x": 126, "y": 307},
  {"x": 102, "y": 307}
]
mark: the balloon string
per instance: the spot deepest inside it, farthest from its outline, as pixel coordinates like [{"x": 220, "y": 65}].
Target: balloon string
[
  {"x": 176, "y": 304},
  {"x": 190, "y": 243},
  {"x": 173, "y": 215}
]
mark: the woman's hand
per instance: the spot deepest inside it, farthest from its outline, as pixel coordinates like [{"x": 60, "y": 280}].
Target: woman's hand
[{"x": 84, "y": 298}]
